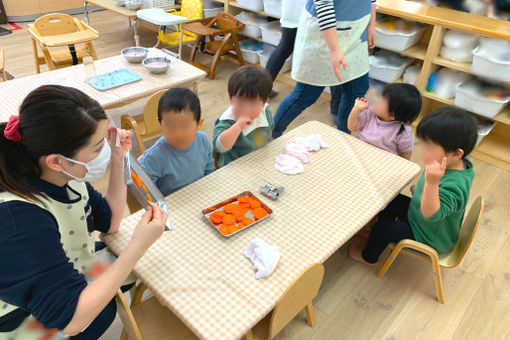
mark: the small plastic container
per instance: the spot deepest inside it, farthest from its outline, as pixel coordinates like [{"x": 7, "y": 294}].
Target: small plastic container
[
  {"x": 254, "y": 5},
  {"x": 250, "y": 49},
  {"x": 273, "y": 8},
  {"x": 458, "y": 55},
  {"x": 271, "y": 32},
  {"x": 265, "y": 54},
  {"x": 212, "y": 11},
  {"x": 471, "y": 95},
  {"x": 398, "y": 35},
  {"x": 484, "y": 128},
  {"x": 251, "y": 23},
  {"x": 447, "y": 81},
  {"x": 460, "y": 40},
  {"x": 487, "y": 65},
  {"x": 411, "y": 74},
  {"x": 387, "y": 67}
]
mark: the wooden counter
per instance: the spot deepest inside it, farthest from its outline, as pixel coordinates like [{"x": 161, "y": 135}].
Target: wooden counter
[{"x": 29, "y": 10}]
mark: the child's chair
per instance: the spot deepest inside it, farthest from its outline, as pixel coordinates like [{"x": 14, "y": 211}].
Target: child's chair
[
  {"x": 191, "y": 9},
  {"x": 145, "y": 126},
  {"x": 152, "y": 320},
  {"x": 2, "y": 71},
  {"x": 227, "y": 27},
  {"x": 449, "y": 259},
  {"x": 55, "y": 30}
]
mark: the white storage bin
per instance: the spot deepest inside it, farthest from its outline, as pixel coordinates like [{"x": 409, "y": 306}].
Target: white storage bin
[
  {"x": 447, "y": 81},
  {"x": 458, "y": 55},
  {"x": 398, "y": 35},
  {"x": 251, "y": 23},
  {"x": 265, "y": 54},
  {"x": 387, "y": 67},
  {"x": 460, "y": 40},
  {"x": 472, "y": 96},
  {"x": 487, "y": 65},
  {"x": 484, "y": 128},
  {"x": 411, "y": 74},
  {"x": 273, "y": 8},
  {"x": 250, "y": 50},
  {"x": 254, "y": 5},
  {"x": 213, "y": 11},
  {"x": 271, "y": 32}
]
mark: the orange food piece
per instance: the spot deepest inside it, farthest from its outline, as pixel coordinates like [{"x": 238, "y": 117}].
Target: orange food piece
[
  {"x": 217, "y": 217},
  {"x": 255, "y": 203},
  {"x": 149, "y": 198},
  {"x": 240, "y": 225},
  {"x": 232, "y": 228},
  {"x": 247, "y": 221},
  {"x": 241, "y": 199},
  {"x": 138, "y": 182},
  {"x": 133, "y": 175},
  {"x": 259, "y": 213},
  {"x": 239, "y": 215},
  {"x": 229, "y": 208},
  {"x": 229, "y": 219},
  {"x": 144, "y": 188},
  {"x": 224, "y": 229}
]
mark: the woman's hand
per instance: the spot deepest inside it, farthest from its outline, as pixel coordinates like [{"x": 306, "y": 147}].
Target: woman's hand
[
  {"x": 338, "y": 60},
  {"x": 372, "y": 36},
  {"x": 125, "y": 143},
  {"x": 150, "y": 227}
]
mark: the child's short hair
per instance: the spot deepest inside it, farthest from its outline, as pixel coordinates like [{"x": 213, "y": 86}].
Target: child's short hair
[
  {"x": 404, "y": 101},
  {"x": 250, "y": 82},
  {"x": 450, "y": 127},
  {"x": 177, "y": 100}
]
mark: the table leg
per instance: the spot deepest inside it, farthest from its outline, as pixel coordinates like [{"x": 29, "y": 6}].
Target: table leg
[
  {"x": 195, "y": 87},
  {"x": 135, "y": 28},
  {"x": 86, "y": 10},
  {"x": 180, "y": 43}
]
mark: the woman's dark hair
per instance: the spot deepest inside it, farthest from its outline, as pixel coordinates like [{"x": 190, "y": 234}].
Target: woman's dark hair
[
  {"x": 53, "y": 120},
  {"x": 250, "y": 82},
  {"x": 451, "y": 128},
  {"x": 404, "y": 101},
  {"x": 178, "y": 100}
]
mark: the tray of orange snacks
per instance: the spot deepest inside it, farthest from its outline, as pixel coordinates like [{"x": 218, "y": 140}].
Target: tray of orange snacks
[{"x": 236, "y": 214}]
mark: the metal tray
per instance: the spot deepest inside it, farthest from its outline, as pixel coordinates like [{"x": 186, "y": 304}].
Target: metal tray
[{"x": 208, "y": 211}]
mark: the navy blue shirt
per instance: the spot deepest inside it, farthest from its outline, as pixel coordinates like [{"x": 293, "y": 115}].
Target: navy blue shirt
[{"x": 35, "y": 273}]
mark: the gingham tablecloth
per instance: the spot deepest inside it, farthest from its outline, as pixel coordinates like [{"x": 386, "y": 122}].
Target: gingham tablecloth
[
  {"x": 206, "y": 280},
  {"x": 13, "y": 92}
]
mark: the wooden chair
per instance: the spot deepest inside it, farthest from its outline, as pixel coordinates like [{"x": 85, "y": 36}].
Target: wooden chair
[
  {"x": 448, "y": 259},
  {"x": 145, "y": 126},
  {"x": 227, "y": 26},
  {"x": 56, "y": 30},
  {"x": 150, "y": 320},
  {"x": 2, "y": 71}
]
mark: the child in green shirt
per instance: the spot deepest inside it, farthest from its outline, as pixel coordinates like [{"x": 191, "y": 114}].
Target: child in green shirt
[
  {"x": 246, "y": 125},
  {"x": 434, "y": 214}
]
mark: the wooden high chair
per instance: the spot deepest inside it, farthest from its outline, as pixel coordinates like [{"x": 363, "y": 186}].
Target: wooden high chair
[
  {"x": 149, "y": 320},
  {"x": 145, "y": 126},
  {"x": 450, "y": 259},
  {"x": 227, "y": 27},
  {"x": 191, "y": 9},
  {"x": 2, "y": 71},
  {"x": 56, "y": 30}
]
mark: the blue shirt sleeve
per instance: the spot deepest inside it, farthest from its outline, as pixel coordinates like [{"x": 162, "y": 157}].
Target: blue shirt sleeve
[
  {"x": 208, "y": 151},
  {"x": 151, "y": 165},
  {"x": 35, "y": 273},
  {"x": 101, "y": 214}
]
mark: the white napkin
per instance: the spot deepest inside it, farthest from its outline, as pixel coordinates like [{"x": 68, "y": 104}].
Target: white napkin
[
  {"x": 312, "y": 142},
  {"x": 263, "y": 257},
  {"x": 288, "y": 164},
  {"x": 298, "y": 151}
]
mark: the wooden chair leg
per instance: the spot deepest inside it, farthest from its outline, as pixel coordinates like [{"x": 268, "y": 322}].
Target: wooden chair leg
[
  {"x": 123, "y": 335},
  {"x": 138, "y": 294},
  {"x": 36, "y": 57},
  {"x": 238, "y": 50},
  {"x": 393, "y": 255},
  {"x": 437, "y": 278},
  {"x": 310, "y": 315},
  {"x": 4, "y": 76},
  {"x": 249, "y": 336},
  {"x": 195, "y": 48}
]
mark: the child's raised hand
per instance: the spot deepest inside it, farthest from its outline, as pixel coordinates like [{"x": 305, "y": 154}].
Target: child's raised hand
[
  {"x": 435, "y": 171},
  {"x": 361, "y": 104},
  {"x": 243, "y": 122}
]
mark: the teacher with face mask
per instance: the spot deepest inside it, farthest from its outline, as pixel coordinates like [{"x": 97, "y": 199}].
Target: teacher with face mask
[{"x": 48, "y": 153}]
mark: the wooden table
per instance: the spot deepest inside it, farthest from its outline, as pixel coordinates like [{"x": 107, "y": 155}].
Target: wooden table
[
  {"x": 206, "y": 280},
  {"x": 13, "y": 92}
]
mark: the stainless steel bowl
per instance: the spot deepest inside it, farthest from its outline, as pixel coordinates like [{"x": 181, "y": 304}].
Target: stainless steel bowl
[
  {"x": 156, "y": 64},
  {"x": 135, "y": 54},
  {"x": 133, "y": 5}
]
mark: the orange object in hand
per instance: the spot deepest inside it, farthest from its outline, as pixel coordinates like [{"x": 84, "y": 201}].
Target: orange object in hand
[
  {"x": 144, "y": 188},
  {"x": 138, "y": 182},
  {"x": 229, "y": 219},
  {"x": 259, "y": 213},
  {"x": 149, "y": 198},
  {"x": 133, "y": 175}
]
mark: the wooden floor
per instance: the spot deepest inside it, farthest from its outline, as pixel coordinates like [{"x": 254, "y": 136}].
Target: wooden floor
[{"x": 353, "y": 303}]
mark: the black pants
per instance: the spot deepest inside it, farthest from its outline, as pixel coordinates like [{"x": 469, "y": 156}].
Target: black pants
[
  {"x": 391, "y": 226},
  {"x": 282, "y": 51}
]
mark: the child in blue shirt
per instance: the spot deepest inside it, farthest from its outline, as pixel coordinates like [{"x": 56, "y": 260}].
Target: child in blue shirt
[{"x": 183, "y": 154}]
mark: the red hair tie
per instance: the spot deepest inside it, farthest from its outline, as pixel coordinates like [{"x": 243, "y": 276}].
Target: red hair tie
[{"x": 11, "y": 131}]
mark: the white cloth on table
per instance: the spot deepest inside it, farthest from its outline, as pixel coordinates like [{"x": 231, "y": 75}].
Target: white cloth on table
[
  {"x": 312, "y": 142},
  {"x": 264, "y": 257},
  {"x": 297, "y": 150},
  {"x": 288, "y": 164}
]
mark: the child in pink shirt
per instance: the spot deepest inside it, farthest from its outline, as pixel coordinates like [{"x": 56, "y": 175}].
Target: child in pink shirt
[{"x": 387, "y": 124}]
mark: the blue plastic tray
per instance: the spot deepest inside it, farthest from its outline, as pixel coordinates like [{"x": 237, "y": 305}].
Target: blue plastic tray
[{"x": 113, "y": 79}]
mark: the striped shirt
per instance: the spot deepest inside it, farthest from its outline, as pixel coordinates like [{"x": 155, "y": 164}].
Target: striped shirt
[{"x": 326, "y": 13}]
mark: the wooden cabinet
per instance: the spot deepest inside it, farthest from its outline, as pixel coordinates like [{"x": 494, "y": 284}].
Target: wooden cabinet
[{"x": 31, "y": 9}]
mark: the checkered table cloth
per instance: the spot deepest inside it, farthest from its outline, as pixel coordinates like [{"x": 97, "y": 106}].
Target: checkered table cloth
[
  {"x": 208, "y": 282},
  {"x": 13, "y": 92}
]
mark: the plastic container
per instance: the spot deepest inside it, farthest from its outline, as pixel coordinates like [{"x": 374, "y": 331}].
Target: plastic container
[
  {"x": 473, "y": 96},
  {"x": 460, "y": 40},
  {"x": 251, "y": 23},
  {"x": 458, "y": 55},
  {"x": 447, "y": 81},
  {"x": 387, "y": 67},
  {"x": 487, "y": 65},
  {"x": 273, "y": 8},
  {"x": 254, "y": 5},
  {"x": 484, "y": 128},
  {"x": 250, "y": 50},
  {"x": 271, "y": 32},
  {"x": 212, "y": 11},
  {"x": 412, "y": 74},
  {"x": 398, "y": 35},
  {"x": 265, "y": 54}
]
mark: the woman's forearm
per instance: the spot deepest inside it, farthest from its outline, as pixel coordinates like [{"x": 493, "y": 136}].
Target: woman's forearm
[
  {"x": 116, "y": 192},
  {"x": 94, "y": 298},
  {"x": 331, "y": 38}
]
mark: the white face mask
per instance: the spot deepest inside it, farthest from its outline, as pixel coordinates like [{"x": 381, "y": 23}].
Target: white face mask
[{"x": 96, "y": 168}]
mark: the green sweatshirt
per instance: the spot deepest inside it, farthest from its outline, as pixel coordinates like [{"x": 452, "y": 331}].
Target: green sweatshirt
[
  {"x": 245, "y": 143},
  {"x": 441, "y": 230}
]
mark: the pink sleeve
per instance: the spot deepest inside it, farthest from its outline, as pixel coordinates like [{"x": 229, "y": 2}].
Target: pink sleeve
[
  {"x": 405, "y": 141},
  {"x": 363, "y": 119}
]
